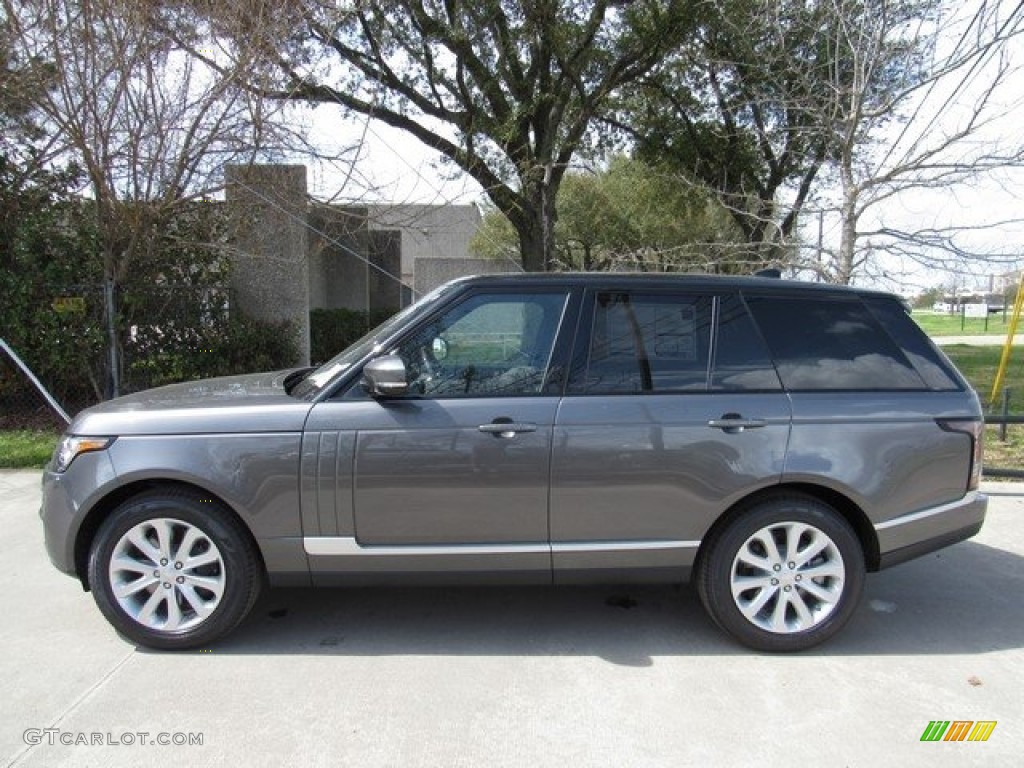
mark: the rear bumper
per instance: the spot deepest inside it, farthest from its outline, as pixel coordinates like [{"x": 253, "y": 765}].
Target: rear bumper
[{"x": 913, "y": 535}]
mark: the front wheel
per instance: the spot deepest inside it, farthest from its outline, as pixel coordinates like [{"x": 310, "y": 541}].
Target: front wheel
[
  {"x": 172, "y": 570},
  {"x": 784, "y": 575}
]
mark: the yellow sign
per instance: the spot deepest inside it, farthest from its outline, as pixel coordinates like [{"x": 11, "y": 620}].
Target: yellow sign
[{"x": 67, "y": 304}]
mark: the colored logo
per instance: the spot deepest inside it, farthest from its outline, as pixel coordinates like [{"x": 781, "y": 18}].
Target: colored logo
[{"x": 958, "y": 730}]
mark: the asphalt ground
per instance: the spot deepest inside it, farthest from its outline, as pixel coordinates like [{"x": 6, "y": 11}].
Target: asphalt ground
[{"x": 616, "y": 676}]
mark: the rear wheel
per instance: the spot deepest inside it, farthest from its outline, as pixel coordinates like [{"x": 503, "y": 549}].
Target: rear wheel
[
  {"x": 784, "y": 575},
  {"x": 172, "y": 570}
]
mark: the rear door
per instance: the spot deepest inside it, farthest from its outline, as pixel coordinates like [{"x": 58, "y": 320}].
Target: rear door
[{"x": 673, "y": 412}]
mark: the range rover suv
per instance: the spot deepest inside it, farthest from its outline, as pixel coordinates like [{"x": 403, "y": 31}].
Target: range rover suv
[{"x": 772, "y": 440}]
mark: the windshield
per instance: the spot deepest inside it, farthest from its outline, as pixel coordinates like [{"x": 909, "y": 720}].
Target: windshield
[{"x": 318, "y": 378}]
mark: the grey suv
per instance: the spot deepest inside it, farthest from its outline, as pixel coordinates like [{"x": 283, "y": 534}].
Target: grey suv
[{"x": 773, "y": 440}]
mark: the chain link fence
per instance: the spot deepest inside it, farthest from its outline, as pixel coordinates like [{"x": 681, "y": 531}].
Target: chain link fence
[
  {"x": 87, "y": 343},
  {"x": 22, "y": 405}
]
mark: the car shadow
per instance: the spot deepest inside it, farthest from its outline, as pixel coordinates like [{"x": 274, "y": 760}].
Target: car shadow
[{"x": 964, "y": 599}]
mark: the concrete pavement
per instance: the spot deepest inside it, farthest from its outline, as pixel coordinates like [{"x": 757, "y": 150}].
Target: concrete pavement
[
  {"x": 622, "y": 676},
  {"x": 974, "y": 341}
]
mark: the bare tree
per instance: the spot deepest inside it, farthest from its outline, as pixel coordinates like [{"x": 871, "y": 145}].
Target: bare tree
[
  {"x": 914, "y": 91},
  {"x": 834, "y": 107},
  {"x": 150, "y": 126},
  {"x": 727, "y": 112}
]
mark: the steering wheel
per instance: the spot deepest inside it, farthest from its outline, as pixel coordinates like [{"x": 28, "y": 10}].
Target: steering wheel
[{"x": 431, "y": 372}]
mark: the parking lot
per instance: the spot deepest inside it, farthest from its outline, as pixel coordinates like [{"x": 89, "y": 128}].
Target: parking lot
[{"x": 616, "y": 676}]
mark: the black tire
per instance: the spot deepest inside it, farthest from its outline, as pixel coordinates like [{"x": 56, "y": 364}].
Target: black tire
[
  {"x": 782, "y": 603},
  {"x": 173, "y": 603}
]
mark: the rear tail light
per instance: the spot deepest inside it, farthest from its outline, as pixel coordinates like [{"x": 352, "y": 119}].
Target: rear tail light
[{"x": 975, "y": 428}]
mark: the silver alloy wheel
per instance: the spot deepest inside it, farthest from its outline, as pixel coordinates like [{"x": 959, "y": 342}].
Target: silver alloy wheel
[
  {"x": 787, "y": 577},
  {"x": 167, "y": 574}
]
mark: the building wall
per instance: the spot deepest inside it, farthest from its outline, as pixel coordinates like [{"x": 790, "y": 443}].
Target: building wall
[
  {"x": 293, "y": 255},
  {"x": 431, "y": 273},
  {"x": 428, "y": 231},
  {"x": 268, "y": 208}
]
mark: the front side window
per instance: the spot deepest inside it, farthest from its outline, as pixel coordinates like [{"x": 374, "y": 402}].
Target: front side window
[{"x": 488, "y": 345}]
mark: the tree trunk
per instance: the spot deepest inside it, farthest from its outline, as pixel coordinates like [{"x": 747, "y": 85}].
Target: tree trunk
[
  {"x": 536, "y": 229},
  {"x": 531, "y": 245},
  {"x": 848, "y": 235}
]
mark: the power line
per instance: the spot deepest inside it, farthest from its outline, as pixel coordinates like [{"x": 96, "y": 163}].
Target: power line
[{"x": 304, "y": 221}]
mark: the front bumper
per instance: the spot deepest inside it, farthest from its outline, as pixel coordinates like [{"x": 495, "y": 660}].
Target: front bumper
[{"x": 66, "y": 499}]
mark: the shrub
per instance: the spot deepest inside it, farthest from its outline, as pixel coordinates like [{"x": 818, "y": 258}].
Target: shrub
[
  {"x": 331, "y": 330},
  {"x": 175, "y": 318}
]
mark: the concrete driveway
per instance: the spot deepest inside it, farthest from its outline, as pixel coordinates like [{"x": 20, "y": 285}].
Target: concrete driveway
[{"x": 517, "y": 677}]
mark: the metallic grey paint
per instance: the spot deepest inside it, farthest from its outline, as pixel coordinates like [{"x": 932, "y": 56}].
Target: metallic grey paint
[{"x": 351, "y": 489}]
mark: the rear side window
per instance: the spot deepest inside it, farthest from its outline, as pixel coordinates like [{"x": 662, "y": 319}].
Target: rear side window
[
  {"x": 742, "y": 361},
  {"x": 831, "y": 344},
  {"x": 648, "y": 343},
  {"x": 928, "y": 362}
]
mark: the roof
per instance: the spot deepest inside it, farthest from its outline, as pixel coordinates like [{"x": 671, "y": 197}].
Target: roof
[{"x": 663, "y": 280}]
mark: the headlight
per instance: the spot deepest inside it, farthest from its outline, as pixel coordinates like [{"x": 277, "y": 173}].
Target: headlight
[{"x": 71, "y": 446}]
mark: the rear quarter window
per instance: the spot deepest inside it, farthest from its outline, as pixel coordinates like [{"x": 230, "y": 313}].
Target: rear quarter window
[
  {"x": 831, "y": 343},
  {"x": 936, "y": 371}
]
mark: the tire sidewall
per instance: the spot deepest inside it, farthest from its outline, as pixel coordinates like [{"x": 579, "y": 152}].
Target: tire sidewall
[
  {"x": 241, "y": 575},
  {"x": 715, "y": 586}
]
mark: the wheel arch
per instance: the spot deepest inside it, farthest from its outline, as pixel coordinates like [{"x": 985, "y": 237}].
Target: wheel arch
[
  {"x": 844, "y": 505},
  {"x": 105, "y": 506}
]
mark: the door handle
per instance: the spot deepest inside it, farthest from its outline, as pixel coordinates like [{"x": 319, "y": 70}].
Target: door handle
[
  {"x": 734, "y": 423},
  {"x": 506, "y": 428}
]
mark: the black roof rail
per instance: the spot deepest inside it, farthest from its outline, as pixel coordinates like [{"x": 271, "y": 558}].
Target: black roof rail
[{"x": 773, "y": 272}]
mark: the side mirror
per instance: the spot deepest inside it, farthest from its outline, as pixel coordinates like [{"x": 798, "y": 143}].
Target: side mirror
[
  {"x": 385, "y": 376},
  {"x": 439, "y": 348}
]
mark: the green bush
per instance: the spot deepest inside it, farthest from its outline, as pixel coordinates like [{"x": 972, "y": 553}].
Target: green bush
[
  {"x": 239, "y": 344},
  {"x": 48, "y": 251},
  {"x": 331, "y": 330},
  {"x": 175, "y": 318}
]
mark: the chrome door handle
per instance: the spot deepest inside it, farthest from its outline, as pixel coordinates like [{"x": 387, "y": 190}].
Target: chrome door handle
[
  {"x": 734, "y": 423},
  {"x": 506, "y": 428}
]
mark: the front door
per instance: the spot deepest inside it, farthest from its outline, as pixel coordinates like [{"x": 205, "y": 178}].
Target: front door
[{"x": 452, "y": 477}]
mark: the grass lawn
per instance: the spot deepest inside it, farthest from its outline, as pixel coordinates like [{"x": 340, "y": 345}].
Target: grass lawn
[
  {"x": 979, "y": 365},
  {"x": 935, "y": 324},
  {"x": 26, "y": 448}
]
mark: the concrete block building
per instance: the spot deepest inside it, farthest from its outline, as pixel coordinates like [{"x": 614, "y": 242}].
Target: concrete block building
[{"x": 293, "y": 255}]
